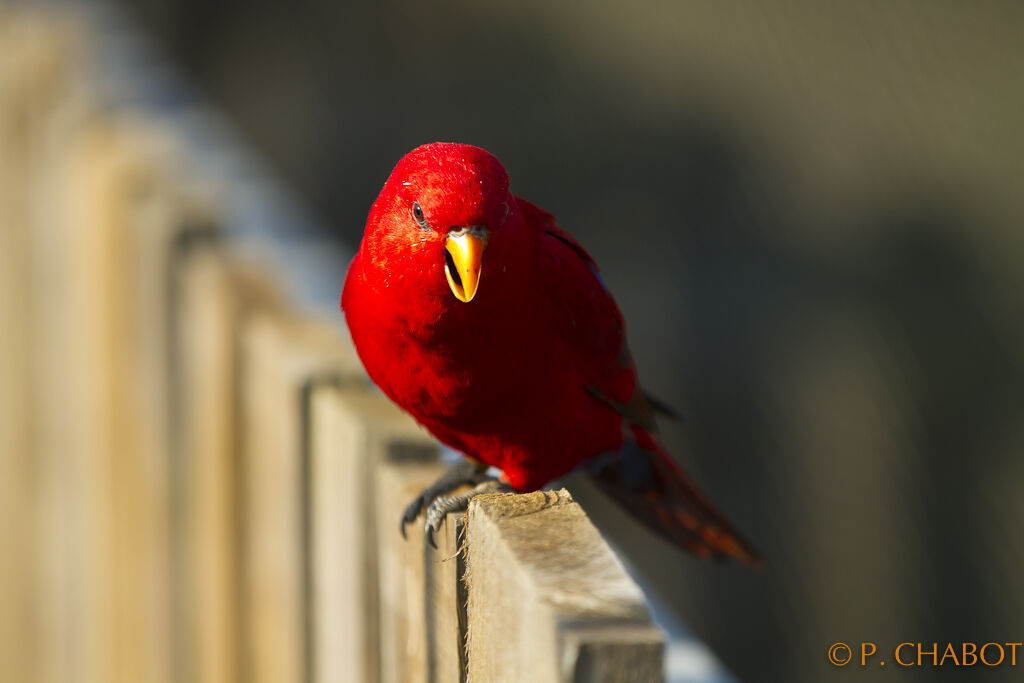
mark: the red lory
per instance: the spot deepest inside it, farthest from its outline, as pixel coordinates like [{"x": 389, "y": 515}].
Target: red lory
[{"x": 477, "y": 314}]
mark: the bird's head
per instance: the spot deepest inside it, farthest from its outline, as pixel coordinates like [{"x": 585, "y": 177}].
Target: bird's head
[{"x": 444, "y": 216}]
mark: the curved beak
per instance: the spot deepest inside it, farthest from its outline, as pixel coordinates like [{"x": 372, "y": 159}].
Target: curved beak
[{"x": 464, "y": 249}]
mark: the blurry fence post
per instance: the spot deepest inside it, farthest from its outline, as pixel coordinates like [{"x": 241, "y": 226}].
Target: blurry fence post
[
  {"x": 280, "y": 355},
  {"x": 51, "y": 123},
  {"x": 214, "y": 293},
  {"x": 29, "y": 79},
  {"x": 107, "y": 439},
  {"x": 359, "y": 443},
  {"x": 401, "y": 577}
]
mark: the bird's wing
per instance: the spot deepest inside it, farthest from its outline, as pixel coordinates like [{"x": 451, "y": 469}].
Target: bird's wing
[
  {"x": 584, "y": 315},
  {"x": 642, "y": 477}
]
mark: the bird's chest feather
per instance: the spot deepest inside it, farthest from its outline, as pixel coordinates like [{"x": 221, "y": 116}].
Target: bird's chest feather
[{"x": 464, "y": 371}]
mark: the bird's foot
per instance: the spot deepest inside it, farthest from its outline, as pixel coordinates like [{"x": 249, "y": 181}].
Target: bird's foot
[
  {"x": 464, "y": 472},
  {"x": 442, "y": 505}
]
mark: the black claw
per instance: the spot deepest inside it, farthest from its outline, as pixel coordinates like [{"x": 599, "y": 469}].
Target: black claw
[
  {"x": 463, "y": 472},
  {"x": 411, "y": 512}
]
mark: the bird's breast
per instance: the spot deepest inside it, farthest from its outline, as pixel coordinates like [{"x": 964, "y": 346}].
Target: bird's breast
[{"x": 433, "y": 371}]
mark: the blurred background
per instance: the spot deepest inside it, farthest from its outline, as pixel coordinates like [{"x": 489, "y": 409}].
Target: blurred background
[{"x": 812, "y": 217}]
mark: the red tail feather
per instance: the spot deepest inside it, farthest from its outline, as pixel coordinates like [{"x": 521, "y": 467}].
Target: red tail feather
[{"x": 649, "y": 484}]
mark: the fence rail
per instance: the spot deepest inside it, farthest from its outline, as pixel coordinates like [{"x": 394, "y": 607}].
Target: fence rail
[{"x": 197, "y": 482}]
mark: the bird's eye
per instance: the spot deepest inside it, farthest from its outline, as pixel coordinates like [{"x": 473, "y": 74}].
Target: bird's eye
[{"x": 417, "y": 215}]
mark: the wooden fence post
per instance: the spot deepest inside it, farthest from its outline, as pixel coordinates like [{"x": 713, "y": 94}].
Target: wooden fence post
[
  {"x": 446, "y": 618},
  {"x": 21, "y": 62},
  {"x": 280, "y": 356},
  {"x": 104, "y": 382},
  {"x": 41, "y": 53},
  {"x": 361, "y": 447},
  {"x": 51, "y": 123},
  {"x": 214, "y": 293},
  {"x": 401, "y": 575},
  {"x": 548, "y": 601}
]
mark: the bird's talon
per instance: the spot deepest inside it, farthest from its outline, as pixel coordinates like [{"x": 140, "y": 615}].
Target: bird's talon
[
  {"x": 434, "y": 506},
  {"x": 411, "y": 512}
]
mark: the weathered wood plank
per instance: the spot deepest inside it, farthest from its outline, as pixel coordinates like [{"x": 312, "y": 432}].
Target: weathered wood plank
[
  {"x": 20, "y": 63},
  {"x": 280, "y": 356},
  {"x": 214, "y": 293},
  {"x": 166, "y": 215},
  {"x": 60, "y": 654},
  {"x": 353, "y": 431},
  {"x": 401, "y": 566},
  {"x": 548, "y": 600},
  {"x": 103, "y": 430},
  {"x": 41, "y": 51},
  {"x": 446, "y": 603}
]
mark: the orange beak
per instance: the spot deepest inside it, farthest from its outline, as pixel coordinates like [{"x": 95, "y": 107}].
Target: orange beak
[{"x": 464, "y": 252}]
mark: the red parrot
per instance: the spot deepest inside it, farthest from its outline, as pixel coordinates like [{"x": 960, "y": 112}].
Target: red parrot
[{"x": 477, "y": 314}]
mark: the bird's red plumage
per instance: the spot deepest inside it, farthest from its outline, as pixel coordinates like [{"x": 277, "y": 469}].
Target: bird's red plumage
[{"x": 533, "y": 375}]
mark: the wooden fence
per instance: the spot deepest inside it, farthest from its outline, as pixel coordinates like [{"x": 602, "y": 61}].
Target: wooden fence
[{"x": 197, "y": 482}]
